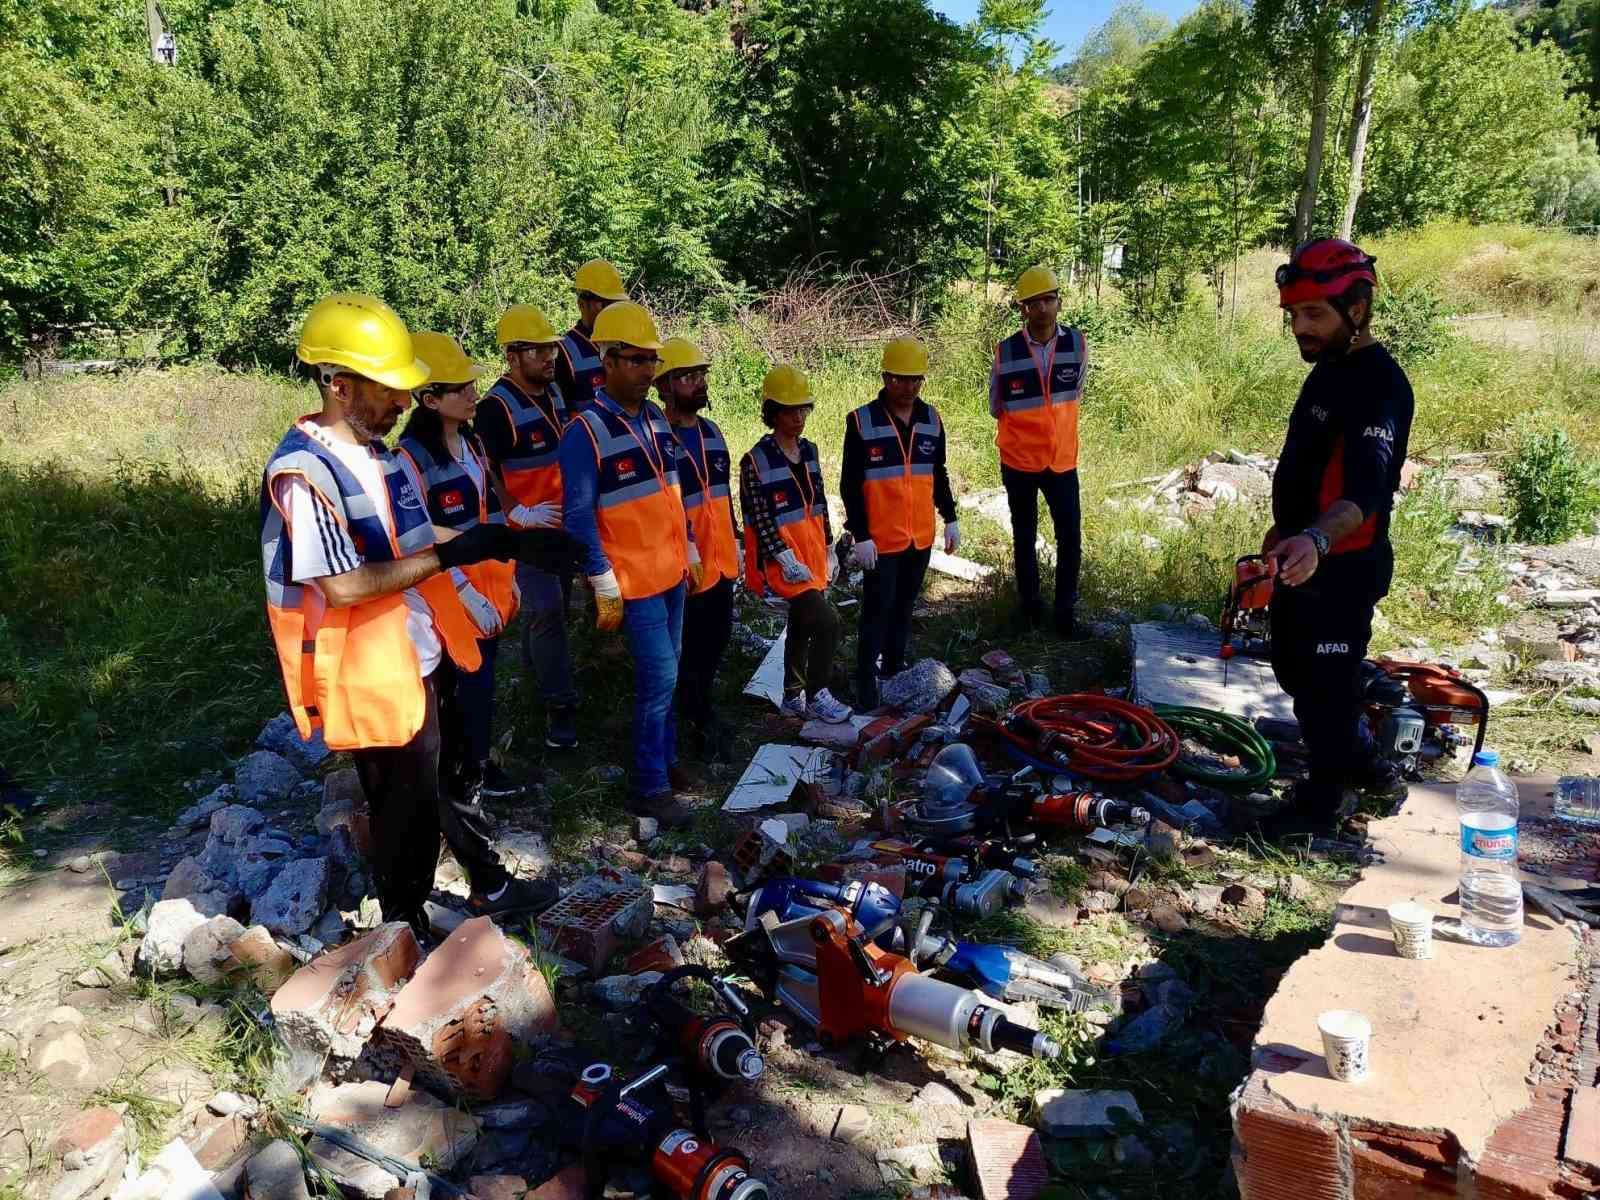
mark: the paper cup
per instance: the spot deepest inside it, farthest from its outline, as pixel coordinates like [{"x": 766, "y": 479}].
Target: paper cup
[
  {"x": 1412, "y": 926},
  {"x": 1346, "y": 1044}
]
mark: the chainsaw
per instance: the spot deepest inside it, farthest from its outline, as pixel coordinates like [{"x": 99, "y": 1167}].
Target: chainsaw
[{"x": 1245, "y": 624}]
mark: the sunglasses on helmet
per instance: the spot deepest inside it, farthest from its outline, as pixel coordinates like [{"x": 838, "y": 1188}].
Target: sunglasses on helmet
[{"x": 1292, "y": 273}]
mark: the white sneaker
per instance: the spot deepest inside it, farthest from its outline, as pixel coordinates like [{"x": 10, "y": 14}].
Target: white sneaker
[
  {"x": 795, "y": 706},
  {"x": 828, "y": 710}
]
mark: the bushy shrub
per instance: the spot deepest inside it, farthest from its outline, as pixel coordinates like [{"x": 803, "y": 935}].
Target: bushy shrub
[
  {"x": 1553, "y": 490},
  {"x": 1412, "y": 321}
]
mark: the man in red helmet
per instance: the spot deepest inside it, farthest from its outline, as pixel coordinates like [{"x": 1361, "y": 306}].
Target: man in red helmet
[{"x": 1328, "y": 547}]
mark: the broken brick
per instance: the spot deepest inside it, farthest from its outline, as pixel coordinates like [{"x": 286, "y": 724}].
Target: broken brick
[
  {"x": 587, "y": 923},
  {"x": 1007, "y": 1160},
  {"x": 1283, "y": 1154},
  {"x": 218, "y": 1139},
  {"x": 713, "y": 889},
  {"x": 660, "y": 955},
  {"x": 892, "y": 741},
  {"x": 261, "y": 960},
  {"x": 332, "y": 1005},
  {"x": 566, "y": 1185},
  {"x": 458, "y": 1022},
  {"x": 497, "y": 1187},
  {"x": 1581, "y": 1143}
]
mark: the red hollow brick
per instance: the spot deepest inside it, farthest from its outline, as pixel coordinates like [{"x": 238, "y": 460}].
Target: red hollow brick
[
  {"x": 1282, "y": 1154},
  {"x": 332, "y": 1004},
  {"x": 1007, "y": 1160},
  {"x": 584, "y": 924}
]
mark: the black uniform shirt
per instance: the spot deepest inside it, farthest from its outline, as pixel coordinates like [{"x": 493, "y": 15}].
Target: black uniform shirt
[{"x": 1347, "y": 441}]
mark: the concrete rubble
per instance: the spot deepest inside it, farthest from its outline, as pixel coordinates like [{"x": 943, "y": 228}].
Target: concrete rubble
[
  {"x": 331, "y": 1006},
  {"x": 421, "y": 1129}
]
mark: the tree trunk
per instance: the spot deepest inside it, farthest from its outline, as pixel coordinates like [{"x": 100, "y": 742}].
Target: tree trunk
[
  {"x": 1361, "y": 116},
  {"x": 1306, "y": 210}
]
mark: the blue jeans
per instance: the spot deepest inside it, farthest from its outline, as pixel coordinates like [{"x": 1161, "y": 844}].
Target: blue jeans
[
  {"x": 654, "y": 629},
  {"x": 544, "y": 635}
]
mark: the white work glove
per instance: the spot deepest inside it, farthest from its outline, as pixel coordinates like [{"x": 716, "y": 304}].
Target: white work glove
[
  {"x": 794, "y": 571},
  {"x": 865, "y": 554},
  {"x": 607, "y": 601},
  {"x": 536, "y": 516},
  {"x": 833, "y": 563},
  {"x": 697, "y": 571},
  {"x": 484, "y": 614},
  {"x": 952, "y": 536}
]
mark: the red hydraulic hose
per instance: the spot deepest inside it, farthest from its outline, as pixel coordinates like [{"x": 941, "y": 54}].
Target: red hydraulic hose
[{"x": 1097, "y": 737}]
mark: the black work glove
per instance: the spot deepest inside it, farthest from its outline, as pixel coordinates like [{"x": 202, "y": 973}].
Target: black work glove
[
  {"x": 553, "y": 551},
  {"x": 481, "y": 542}
]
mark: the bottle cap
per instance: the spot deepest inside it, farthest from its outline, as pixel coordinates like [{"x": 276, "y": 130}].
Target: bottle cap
[{"x": 1486, "y": 758}]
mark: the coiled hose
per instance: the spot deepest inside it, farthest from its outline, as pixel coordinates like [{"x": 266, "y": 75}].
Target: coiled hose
[
  {"x": 1096, "y": 737},
  {"x": 1225, "y": 734}
]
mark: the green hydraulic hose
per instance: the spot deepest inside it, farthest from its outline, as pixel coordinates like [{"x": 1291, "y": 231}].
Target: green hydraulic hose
[{"x": 1224, "y": 734}]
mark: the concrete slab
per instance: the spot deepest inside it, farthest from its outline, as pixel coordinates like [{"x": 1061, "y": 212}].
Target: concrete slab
[
  {"x": 1452, "y": 1036},
  {"x": 767, "y": 683},
  {"x": 1178, "y": 664}
]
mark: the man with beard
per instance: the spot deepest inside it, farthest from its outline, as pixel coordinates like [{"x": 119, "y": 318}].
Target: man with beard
[
  {"x": 893, "y": 481},
  {"x": 1328, "y": 549},
  {"x": 362, "y": 606},
  {"x": 520, "y": 422},
  {"x": 704, "y": 471}
]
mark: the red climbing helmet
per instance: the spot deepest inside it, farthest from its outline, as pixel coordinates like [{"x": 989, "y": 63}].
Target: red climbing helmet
[{"x": 1322, "y": 269}]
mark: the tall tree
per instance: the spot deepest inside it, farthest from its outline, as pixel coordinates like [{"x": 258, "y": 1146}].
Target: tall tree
[{"x": 1361, "y": 118}]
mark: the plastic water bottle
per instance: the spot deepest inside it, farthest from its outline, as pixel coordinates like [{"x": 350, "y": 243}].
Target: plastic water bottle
[{"x": 1491, "y": 896}]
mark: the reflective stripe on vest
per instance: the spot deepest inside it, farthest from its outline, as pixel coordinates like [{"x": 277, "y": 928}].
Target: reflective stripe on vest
[
  {"x": 584, "y": 361},
  {"x": 708, "y": 501},
  {"x": 799, "y": 513},
  {"x": 532, "y": 471},
  {"x": 638, "y": 503},
  {"x": 454, "y": 502},
  {"x": 1039, "y": 407},
  {"x": 353, "y": 672},
  {"x": 898, "y": 481}
]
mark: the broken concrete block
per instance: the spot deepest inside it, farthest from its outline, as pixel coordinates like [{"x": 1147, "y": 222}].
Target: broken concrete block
[
  {"x": 587, "y": 923},
  {"x": 264, "y": 777},
  {"x": 282, "y": 737},
  {"x": 498, "y": 1187},
  {"x": 645, "y": 829},
  {"x": 261, "y": 961},
  {"x": 476, "y": 999},
  {"x": 161, "y": 952},
  {"x": 198, "y": 814},
  {"x": 189, "y": 881},
  {"x": 920, "y": 688},
  {"x": 910, "y": 1164},
  {"x": 296, "y": 897},
  {"x": 421, "y": 1129},
  {"x": 93, "y": 1146},
  {"x": 171, "y": 1173},
  {"x": 989, "y": 697},
  {"x": 206, "y": 957},
  {"x": 852, "y": 1123},
  {"x": 344, "y": 805},
  {"x": 618, "y": 993},
  {"x": 1006, "y": 1160},
  {"x": 232, "y": 830},
  {"x": 332, "y": 1005},
  {"x": 275, "y": 1173},
  {"x": 1075, "y": 1114}
]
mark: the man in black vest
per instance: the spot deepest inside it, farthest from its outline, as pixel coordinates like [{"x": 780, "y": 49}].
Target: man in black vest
[{"x": 578, "y": 368}]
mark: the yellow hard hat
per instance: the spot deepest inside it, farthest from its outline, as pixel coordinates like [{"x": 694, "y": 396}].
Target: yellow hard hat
[
  {"x": 787, "y": 386},
  {"x": 679, "y": 354},
  {"x": 1036, "y": 281},
  {"x": 447, "y": 361},
  {"x": 364, "y": 335},
  {"x": 628, "y": 323},
  {"x": 905, "y": 356},
  {"x": 599, "y": 278},
  {"x": 525, "y": 323}
]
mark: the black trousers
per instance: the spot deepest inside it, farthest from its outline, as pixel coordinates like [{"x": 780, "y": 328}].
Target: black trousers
[
  {"x": 813, "y": 636},
  {"x": 707, "y": 624},
  {"x": 411, "y": 803},
  {"x": 1060, "y": 490},
  {"x": 888, "y": 593},
  {"x": 1320, "y": 632}
]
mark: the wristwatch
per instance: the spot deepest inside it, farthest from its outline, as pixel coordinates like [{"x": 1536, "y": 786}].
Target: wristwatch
[{"x": 1318, "y": 539}]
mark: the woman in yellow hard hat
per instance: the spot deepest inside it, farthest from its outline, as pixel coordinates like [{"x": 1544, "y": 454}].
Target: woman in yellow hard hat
[
  {"x": 460, "y": 491},
  {"x": 788, "y": 542},
  {"x": 893, "y": 482}
]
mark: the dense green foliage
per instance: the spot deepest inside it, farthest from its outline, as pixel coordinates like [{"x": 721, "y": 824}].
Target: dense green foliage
[
  {"x": 1552, "y": 489},
  {"x": 455, "y": 157}
]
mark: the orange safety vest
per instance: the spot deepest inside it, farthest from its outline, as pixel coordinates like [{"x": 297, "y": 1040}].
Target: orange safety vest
[
  {"x": 532, "y": 471},
  {"x": 353, "y": 672},
  {"x": 1039, "y": 407},
  {"x": 709, "y": 503},
  {"x": 798, "y": 510},
  {"x": 455, "y": 503},
  {"x": 638, "y": 507},
  {"x": 898, "y": 482}
]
